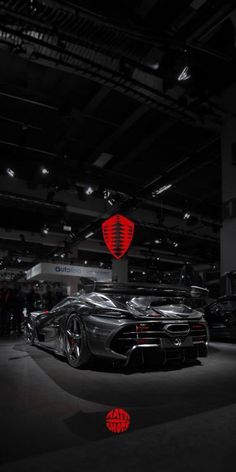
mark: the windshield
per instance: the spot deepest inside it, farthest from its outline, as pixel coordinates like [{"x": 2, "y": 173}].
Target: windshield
[{"x": 122, "y": 301}]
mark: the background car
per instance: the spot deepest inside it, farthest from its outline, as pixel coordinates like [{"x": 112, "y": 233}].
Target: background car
[
  {"x": 221, "y": 318},
  {"x": 116, "y": 321}
]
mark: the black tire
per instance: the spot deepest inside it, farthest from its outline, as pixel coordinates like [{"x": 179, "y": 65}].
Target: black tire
[
  {"x": 76, "y": 347},
  {"x": 28, "y": 334},
  {"x": 203, "y": 351}
]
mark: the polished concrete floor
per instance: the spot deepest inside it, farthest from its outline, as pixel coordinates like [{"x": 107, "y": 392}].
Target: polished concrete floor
[{"x": 52, "y": 417}]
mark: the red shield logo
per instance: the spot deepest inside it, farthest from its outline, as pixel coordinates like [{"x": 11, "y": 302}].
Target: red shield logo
[{"x": 118, "y": 233}]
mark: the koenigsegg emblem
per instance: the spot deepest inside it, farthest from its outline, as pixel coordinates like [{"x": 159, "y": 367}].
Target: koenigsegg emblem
[
  {"x": 117, "y": 420},
  {"x": 177, "y": 342},
  {"x": 118, "y": 233}
]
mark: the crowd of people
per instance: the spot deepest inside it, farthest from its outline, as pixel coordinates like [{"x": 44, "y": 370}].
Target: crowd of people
[{"x": 14, "y": 302}]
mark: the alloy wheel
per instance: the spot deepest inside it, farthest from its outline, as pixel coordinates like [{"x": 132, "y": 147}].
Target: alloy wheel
[{"x": 73, "y": 338}]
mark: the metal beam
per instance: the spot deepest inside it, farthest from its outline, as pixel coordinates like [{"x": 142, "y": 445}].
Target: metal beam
[
  {"x": 145, "y": 7},
  {"x": 93, "y": 207},
  {"x": 96, "y": 101},
  {"x": 144, "y": 145},
  {"x": 108, "y": 142},
  {"x": 52, "y": 239},
  {"x": 137, "y": 252}
]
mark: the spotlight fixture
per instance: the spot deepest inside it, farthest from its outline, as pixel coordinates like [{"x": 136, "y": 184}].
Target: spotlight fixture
[
  {"x": 102, "y": 159},
  {"x": 187, "y": 215},
  {"x": 45, "y": 229},
  {"x": 44, "y": 170},
  {"x": 85, "y": 262},
  {"x": 62, "y": 255},
  {"x": 33, "y": 6},
  {"x": 175, "y": 244},
  {"x": 185, "y": 74},
  {"x": 131, "y": 271},
  {"x": 89, "y": 190},
  {"x": 157, "y": 258},
  {"x": 106, "y": 194},
  {"x": 10, "y": 172},
  {"x": 89, "y": 235},
  {"x": 144, "y": 273},
  {"x": 111, "y": 201},
  {"x": 67, "y": 228},
  {"x": 101, "y": 264},
  {"x": 158, "y": 241},
  {"x": 161, "y": 190},
  {"x": 18, "y": 260}
]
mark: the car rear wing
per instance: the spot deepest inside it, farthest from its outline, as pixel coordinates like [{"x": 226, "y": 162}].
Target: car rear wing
[{"x": 198, "y": 292}]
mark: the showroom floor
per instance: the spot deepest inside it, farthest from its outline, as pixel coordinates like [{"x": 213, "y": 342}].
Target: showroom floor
[{"x": 53, "y": 416}]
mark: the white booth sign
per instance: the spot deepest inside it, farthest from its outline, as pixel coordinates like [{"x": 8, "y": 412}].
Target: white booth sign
[{"x": 60, "y": 272}]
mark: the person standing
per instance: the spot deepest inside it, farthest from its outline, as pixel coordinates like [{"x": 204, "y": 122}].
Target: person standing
[
  {"x": 18, "y": 311},
  {"x": 6, "y": 307}
]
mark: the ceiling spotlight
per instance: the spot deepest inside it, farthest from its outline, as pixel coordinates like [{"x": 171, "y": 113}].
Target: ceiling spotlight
[
  {"x": 44, "y": 171},
  {"x": 18, "y": 260},
  {"x": 102, "y": 159},
  {"x": 62, "y": 255},
  {"x": 144, "y": 273},
  {"x": 67, "y": 228},
  {"x": 185, "y": 74},
  {"x": 33, "y": 6},
  {"x": 55, "y": 255},
  {"x": 158, "y": 241},
  {"x": 106, "y": 194},
  {"x": 154, "y": 65},
  {"x": 187, "y": 215},
  {"x": 89, "y": 235},
  {"x": 175, "y": 244},
  {"x": 161, "y": 190},
  {"x": 45, "y": 229},
  {"x": 89, "y": 190},
  {"x": 101, "y": 264},
  {"x": 131, "y": 271},
  {"x": 86, "y": 262},
  {"x": 10, "y": 172}
]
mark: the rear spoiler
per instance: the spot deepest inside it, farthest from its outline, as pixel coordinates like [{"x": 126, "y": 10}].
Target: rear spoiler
[{"x": 198, "y": 292}]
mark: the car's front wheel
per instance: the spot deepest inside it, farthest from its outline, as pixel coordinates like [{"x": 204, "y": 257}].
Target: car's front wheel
[{"x": 76, "y": 347}]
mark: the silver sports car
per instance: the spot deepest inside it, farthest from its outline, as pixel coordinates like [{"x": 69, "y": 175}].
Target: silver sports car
[{"x": 119, "y": 321}]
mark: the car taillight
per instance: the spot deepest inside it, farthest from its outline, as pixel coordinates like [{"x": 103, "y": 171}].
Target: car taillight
[
  {"x": 197, "y": 326},
  {"x": 141, "y": 327}
]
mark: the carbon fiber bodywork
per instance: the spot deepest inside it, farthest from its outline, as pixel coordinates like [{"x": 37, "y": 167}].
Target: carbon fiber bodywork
[{"x": 123, "y": 320}]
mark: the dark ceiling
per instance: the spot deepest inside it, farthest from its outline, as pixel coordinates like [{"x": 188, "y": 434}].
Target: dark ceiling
[{"x": 85, "y": 79}]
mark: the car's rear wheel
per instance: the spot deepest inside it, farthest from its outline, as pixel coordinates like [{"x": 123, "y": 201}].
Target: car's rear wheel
[
  {"x": 28, "y": 334},
  {"x": 76, "y": 347}
]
